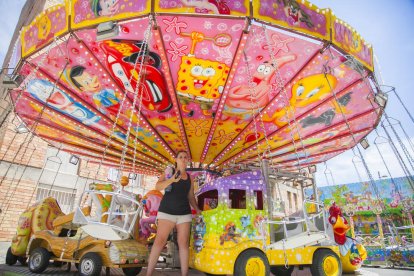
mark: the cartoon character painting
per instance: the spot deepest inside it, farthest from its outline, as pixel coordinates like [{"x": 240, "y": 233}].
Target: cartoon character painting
[
  {"x": 44, "y": 25},
  {"x": 241, "y": 99},
  {"x": 307, "y": 91},
  {"x": 200, "y": 81},
  {"x": 47, "y": 93},
  {"x": 352, "y": 254},
  {"x": 124, "y": 60},
  {"x": 294, "y": 12},
  {"x": 396, "y": 198},
  {"x": 104, "y": 7},
  {"x": 199, "y": 232},
  {"x": 247, "y": 230},
  {"x": 229, "y": 234},
  {"x": 208, "y": 6},
  {"x": 105, "y": 99}
]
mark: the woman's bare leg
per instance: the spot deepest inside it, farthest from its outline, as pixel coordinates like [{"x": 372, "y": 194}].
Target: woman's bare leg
[
  {"x": 183, "y": 236},
  {"x": 163, "y": 230}
]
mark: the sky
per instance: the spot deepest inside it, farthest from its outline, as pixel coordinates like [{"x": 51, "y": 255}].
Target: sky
[{"x": 387, "y": 25}]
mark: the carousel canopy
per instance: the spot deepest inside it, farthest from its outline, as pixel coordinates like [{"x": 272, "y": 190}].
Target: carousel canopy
[{"x": 135, "y": 81}]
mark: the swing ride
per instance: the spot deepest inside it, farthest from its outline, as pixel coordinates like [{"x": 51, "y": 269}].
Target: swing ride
[{"x": 282, "y": 84}]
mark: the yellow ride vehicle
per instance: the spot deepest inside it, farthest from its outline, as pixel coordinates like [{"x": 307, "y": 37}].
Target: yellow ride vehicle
[{"x": 235, "y": 236}]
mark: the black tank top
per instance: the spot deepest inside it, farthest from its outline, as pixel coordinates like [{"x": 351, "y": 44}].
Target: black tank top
[{"x": 175, "y": 202}]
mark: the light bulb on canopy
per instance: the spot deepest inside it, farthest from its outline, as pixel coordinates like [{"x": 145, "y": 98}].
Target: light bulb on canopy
[{"x": 225, "y": 81}]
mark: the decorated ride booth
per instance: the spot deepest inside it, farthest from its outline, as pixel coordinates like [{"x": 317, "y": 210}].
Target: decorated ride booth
[{"x": 130, "y": 84}]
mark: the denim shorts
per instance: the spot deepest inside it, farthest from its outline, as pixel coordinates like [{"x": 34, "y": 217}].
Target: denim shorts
[{"x": 177, "y": 219}]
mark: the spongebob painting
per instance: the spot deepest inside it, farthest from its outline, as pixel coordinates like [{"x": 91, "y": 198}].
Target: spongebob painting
[{"x": 200, "y": 80}]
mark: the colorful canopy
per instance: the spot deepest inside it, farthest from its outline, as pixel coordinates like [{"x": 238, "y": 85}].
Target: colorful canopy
[{"x": 137, "y": 81}]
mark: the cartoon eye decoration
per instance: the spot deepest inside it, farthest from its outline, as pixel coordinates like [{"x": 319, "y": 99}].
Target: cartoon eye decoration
[
  {"x": 332, "y": 220},
  {"x": 261, "y": 68},
  {"x": 313, "y": 92},
  {"x": 267, "y": 70},
  {"x": 197, "y": 70},
  {"x": 127, "y": 84},
  {"x": 120, "y": 73},
  {"x": 300, "y": 90},
  {"x": 209, "y": 72}
]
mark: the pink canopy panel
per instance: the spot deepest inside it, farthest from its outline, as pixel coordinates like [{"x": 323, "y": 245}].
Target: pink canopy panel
[{"x": 225, "y": 81}]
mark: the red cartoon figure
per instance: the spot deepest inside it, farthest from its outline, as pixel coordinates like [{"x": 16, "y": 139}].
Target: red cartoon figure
[
  {"x": 124, "y": 58},
  {"x": 351, "y": 253}
]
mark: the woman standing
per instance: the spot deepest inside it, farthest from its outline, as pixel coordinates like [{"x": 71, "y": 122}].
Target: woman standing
[{"x": 174, "y": 211}]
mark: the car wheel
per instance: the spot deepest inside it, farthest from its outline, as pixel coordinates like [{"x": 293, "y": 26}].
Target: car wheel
[
  {"x": 282, "y": 270},
  {"x": 252, "y": 262},
  {"x": 10, "y": 258},
  {"x": 39, "y": 260},
  {"x": 131, "y": 271},
  {"x": 90, "y": 264},
  {"x": 22, "y": 260},
  {"x": 326, "y": 263}
]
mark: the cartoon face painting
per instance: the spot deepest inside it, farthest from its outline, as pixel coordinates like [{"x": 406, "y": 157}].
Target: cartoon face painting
[
  {"x": 258, "y": 89},
  {"x": 85, "y": 81},
  {"x": 305, "y": 92},
  {"x": 104, "y": 7},
  {"x": 200, "y": 81},
  {"x": 124, "y": 60},
  {"x": 45, "y": 92},
  {"x": 44, "y": 25}
]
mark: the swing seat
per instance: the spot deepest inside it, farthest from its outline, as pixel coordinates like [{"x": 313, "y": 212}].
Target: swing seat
[{"x": 114, "y": 222}]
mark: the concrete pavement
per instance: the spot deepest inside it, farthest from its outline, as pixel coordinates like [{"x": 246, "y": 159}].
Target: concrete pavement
[{"x": 18, "y": 270}]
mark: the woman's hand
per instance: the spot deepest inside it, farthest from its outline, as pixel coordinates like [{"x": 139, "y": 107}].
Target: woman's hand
[{"x": 176, "y": 177}]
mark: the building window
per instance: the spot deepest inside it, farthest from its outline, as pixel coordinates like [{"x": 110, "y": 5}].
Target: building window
[
  {"x": 295, "y": 198},
  {"x": 289, "y": 200},
  {"x": 64, "y": 196},
  {"x": 258, "y": 200},
  {"x": 237, "y": 199},
  {"x": 208, "y": 200},
  {"x": 113, "y": 174}
]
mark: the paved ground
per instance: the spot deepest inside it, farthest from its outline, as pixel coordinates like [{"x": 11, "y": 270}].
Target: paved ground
[{"x": 18, "y": 270}]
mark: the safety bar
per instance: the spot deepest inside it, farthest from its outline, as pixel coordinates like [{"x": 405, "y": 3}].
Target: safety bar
[
  {"x": 121, "y": 205},
  {"x": 306, "y": 219}
]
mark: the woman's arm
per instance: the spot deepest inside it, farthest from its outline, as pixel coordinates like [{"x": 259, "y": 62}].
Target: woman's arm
[{"x": 192, "y": 199}]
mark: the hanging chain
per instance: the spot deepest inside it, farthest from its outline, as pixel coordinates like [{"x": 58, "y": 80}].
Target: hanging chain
[
  {"x": 406, "y": 153},
  {"x": 290, "y": 112},
  {"x": 399, "y": 157},
  {"x": 355, "y": 166},
  {"x": 371, "y": 179},
  {"x": 139, "y": 88},
  {"x": 109, "y": 139},
  {"x": 30, "y": 137},
  {"x": 397, "y": 188}
]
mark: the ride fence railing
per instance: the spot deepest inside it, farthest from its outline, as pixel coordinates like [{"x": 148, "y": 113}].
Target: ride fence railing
[
  {"x": 394, "y": 238},
  {"x": 110, "y": 216}
]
